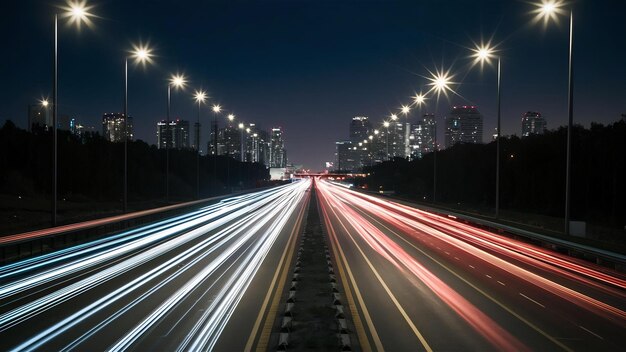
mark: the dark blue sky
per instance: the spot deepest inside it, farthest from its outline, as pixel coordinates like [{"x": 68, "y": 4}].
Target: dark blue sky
[{"x": 309, "y": 66}]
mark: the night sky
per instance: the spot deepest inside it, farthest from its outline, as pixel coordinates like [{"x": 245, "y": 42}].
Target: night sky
[{"x": 310, "y": 66}]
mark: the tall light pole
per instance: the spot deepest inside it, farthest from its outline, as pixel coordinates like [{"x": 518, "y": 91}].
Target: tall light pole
[
  {"x": 440, "y": 82},
  {"x": 178, "y": 81},
  {"x": 242, "y": 129},
  {"x": 216, "y": 110},
  {"x": 386, "y": 125},
  {"x": 200, "y": 98},
  {"x": 141, "y": 55},
  {"x": 419, "y": 100},
  {"x": 76, "y": 13},
  {"x": 549, "y": 10},
  {"x": 483, "y": 54},
  {"x": 231, "y": 118},
  {"x": 407, "y": 149}
]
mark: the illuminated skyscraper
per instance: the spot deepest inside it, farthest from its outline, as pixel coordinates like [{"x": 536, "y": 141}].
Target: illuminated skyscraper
[
  {"x": 533, "y": 123},
  {"x": 113, "y": 127},
  {"x": 422, "y": 136},
  {"x": 278, "y": 157},
  {"x": 464, "y": 125},
  {"x": 360, "y": 128},
  {"x": 177, "y": 136},
  {"x": 348, "y": 156}
]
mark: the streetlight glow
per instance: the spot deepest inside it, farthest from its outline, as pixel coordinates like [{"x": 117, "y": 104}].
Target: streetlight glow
[
  {"x": 548, "y": 10},
  {"x": 386, "y": 123},
  {"x": 44, "y": 102},
  {"x": 78, "y": 13},
  {"x": 231, "y": 117},
  {"x": 405, "y": 109},
  {"x": 483, "y": 53},
  {"x": 394, "y": 117},
  {"x": 200, "y": 96},
  {"x": 216, "y": 108},
  {"x": 441, "y": 82},
  {"x": 178, "y": 81},
  {"x": 141, "y": 54},
  {"x": 419, "y": 99},
  {"x": 241, "y": 125}
]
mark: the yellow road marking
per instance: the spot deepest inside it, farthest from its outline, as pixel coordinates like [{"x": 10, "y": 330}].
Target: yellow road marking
[
  {"x": 271, "y": 315},
  {"x": 358, "y": 324}
]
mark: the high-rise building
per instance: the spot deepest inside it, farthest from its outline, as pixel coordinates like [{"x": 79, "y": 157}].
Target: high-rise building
[
  {"x": 39, "y": 117},
  {"x": 347, "y": 155},
  {"x": 113, "y": 127},
  {"x": 278, "y": 157},
  {"x": 396, "y": 140},
  {"x": 464, "y": 125},
  {"x": 360, "y": 128},
  {"x": 176, "y": 136},
  {"x": 429, "y": 136},
  {"x": 229, "y": 141},
  {"x": 533, "y": 123},
  {"x": 377, "y": 151},
  {"x": 196, "y": 137}
]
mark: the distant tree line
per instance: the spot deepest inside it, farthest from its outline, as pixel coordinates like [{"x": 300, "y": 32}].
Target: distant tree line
[
  {"x": 91, "y": 168},
  {"x": 532, "y": 174}
]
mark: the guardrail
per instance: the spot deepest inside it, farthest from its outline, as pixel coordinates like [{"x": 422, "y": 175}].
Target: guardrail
[
  {"x": 26, "y": 244},
  {"x": 602, "y": 257}
]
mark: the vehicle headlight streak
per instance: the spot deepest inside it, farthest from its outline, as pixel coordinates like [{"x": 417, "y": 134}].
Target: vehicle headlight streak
[
  {"x": 280, "y": 204},
  {"x": 119, "y": 250},
  {"x": 231, "y": 292}
]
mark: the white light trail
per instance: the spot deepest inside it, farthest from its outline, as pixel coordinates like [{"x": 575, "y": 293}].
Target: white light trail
[{"x": 249, "y": 223}]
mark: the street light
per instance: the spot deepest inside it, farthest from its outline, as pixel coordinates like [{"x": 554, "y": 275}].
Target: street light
[
  {"x": 242, "y": 128},
  {"x": 216, "y": 110},
  {"x": 141, "y": 54},
  {"x": 178, "y": 81},
  {"x": 482, "y": 54},
  {"x": 405, "y": 109},
  {"x": 386, "y": 125},
  {"x": 550, "y": 10},
  {"x": 441, "y": 83},
  {"x": 76, "y": 13},
  {"x": 200, "y": 98}
]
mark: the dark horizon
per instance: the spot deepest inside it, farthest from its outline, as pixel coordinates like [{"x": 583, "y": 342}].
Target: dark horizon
[{"x": 309, "y": 67}]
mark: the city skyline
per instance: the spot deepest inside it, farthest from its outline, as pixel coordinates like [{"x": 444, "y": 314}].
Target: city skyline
[{"x": 376, "y": 68}]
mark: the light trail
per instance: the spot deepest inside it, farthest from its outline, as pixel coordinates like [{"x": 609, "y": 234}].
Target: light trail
[
  {"x": 229, "y": 240},
  {"x": 501, "y": 252},
  {"x": 391, "y": 251}
]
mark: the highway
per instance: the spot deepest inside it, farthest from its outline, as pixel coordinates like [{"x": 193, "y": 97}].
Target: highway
[
  {"x": 197, "y": 281},
  {"x": 420, "y": 281}
]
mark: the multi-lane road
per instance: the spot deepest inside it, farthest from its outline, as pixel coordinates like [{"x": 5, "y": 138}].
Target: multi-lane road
[
  {"x": 419, "y": 281},
  {"x": 212, "y": 279},
  {"x": 196, "y": 281}
]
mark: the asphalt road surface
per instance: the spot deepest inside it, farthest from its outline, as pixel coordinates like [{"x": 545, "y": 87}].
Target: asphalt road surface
[
  {"x": 198, "y": 281},
  {"x": 420, "y": 281}
]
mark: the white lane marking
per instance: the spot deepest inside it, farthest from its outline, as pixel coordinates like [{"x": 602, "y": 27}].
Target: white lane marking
[
  {"x": 448, "y": 253},
  {"x": 501, "y": 283},
  {"x": 457, "y": 258},
  {"x": 591, "y": 332},
  {"x": 532, "y": 300},
  {"x": 471, "y": 266},
  {"x": 489, "y": 276}
]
